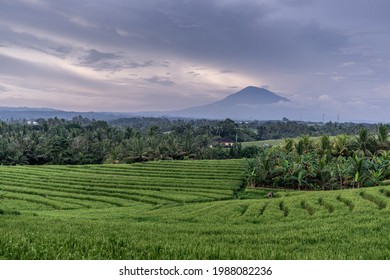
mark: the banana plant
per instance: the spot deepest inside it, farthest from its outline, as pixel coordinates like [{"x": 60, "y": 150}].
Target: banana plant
[
  {"x": 377, "y": 168},
  {"x": 288, "y": 145},
  {"x": 376, "y": 176}
]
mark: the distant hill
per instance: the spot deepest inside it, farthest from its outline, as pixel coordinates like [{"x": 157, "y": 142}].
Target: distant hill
[
  {"x": 25, "y": 109},
  {"x": 25, "y": 113}
]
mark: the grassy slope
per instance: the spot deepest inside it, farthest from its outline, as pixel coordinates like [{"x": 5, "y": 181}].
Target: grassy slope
[
  {"x": 70, "y": 218},
  {"x": 272, "y": 142},
  {"x": 275, "y": 142}
]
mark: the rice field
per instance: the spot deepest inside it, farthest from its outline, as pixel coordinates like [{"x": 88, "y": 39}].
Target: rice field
[
  {"x": 101, "y": 186},
  {"x": 181, "y": 210}
]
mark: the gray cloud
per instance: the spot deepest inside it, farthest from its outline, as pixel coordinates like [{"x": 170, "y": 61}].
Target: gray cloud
[
  {"x": 147, "y": 63},
  {"x": 3, "y": 89},
  {"x": 160, "y": 80},
  {"x": 193, "y": 73},
  {"x": 95, "y": 56},
  {"x": 101, "y": 60},
  {"x": 226, "y": 71}
]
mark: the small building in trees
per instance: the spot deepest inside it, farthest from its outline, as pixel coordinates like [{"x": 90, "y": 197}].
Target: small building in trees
[{"x": 225, "y": 142}]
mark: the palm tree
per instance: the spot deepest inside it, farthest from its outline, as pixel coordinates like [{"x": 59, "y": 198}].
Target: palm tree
[
  {"x": 341, "y": 145},
  {"x": 383, "y": 136},
  {"x": 128, "y": 133},
  {"x": 153, "y": 142},
  {"x": 139, "y": 148},
  {"x": 304, "y": 145},
  {"x": 173, "y": 147},
  {"x": 324, "y": 173},
  {"x": 325, "y": 145},
  {"x": 299, "y": 147},
  {"x": 358, "y": 171},
  {"x": 188, "y": 142},
  {"x": 365, "y": 142}
]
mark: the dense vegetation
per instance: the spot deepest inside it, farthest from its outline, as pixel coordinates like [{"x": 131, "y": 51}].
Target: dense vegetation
[
  {"x": 84, "y": 141},
  {"x": 330, "y": 163},
  {"x": 81, "y": 141},
  {"x": 341, "y": 161}
]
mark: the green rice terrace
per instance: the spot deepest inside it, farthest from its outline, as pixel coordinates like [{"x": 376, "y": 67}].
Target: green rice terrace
[{"x": 182, "y": 210}]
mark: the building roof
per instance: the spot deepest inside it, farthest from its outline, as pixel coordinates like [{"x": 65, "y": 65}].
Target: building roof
[{"x": 225, "y": 140}]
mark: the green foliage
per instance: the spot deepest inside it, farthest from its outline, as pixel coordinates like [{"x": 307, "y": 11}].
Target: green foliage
[
  {"x": 325, "y": 145},
  {"x": 375, "y": 199},
  {"x": 84, "y": 141},
  {"x": 349, "y": 203},
  {"x": 288, "y": 145},
  {"x": 284, "y": 208},
  {"x": 291, "y": 129},
  {"x": 182, "y": 210},
  {"x": 90, "y": 186},
  {"x": 383, "y": 136},
  {"x": 331, "y": 163},
  {"x": 328, "y": 206},
  {"x": 385, "y": 192},
  {"x": 310, "y": 210}
]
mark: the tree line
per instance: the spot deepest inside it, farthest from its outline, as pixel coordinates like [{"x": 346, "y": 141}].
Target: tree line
[
  {"x": 247, "y": 131},
  {"x": 330, "y": 163},
  {"x": 84, "y": 141}
]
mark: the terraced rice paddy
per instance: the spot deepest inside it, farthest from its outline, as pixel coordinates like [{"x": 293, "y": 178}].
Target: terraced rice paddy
[
  {"x": 100, "y": 186},
  {"x": 182, "y": 210}
]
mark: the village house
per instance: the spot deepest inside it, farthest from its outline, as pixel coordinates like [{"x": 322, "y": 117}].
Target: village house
[{"x": 225, "y": 142}]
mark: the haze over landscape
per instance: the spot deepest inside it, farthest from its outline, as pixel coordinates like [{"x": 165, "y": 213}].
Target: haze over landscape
[{"x": 328, "y": 58}]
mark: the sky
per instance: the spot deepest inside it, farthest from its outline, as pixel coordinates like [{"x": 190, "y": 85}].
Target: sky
[{"x": 329, "y": 57}]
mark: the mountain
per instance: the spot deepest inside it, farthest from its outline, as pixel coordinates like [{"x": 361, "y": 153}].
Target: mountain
[
  {"x": 251, "y": 96},
  {"x": 248, "y": 103}
]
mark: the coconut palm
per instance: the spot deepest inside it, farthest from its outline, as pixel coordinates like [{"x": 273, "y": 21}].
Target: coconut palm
[
  {"x": 383, "y": 136},
  {"x": 341, "y": 146},
  {"x": 366, "y": 143},
  {"x": 325, "y": 145},
  {"x": 139, "y": 148}
]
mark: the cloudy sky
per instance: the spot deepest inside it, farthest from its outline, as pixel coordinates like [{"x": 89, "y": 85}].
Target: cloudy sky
[{"x": 135, "y": 55}]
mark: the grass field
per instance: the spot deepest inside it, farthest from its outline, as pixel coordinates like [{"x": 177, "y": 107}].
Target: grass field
[
  {"x": 181, "y": 210},
  {"x": 272, "y": 142},
  {"x": 275, "y": 142}
]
